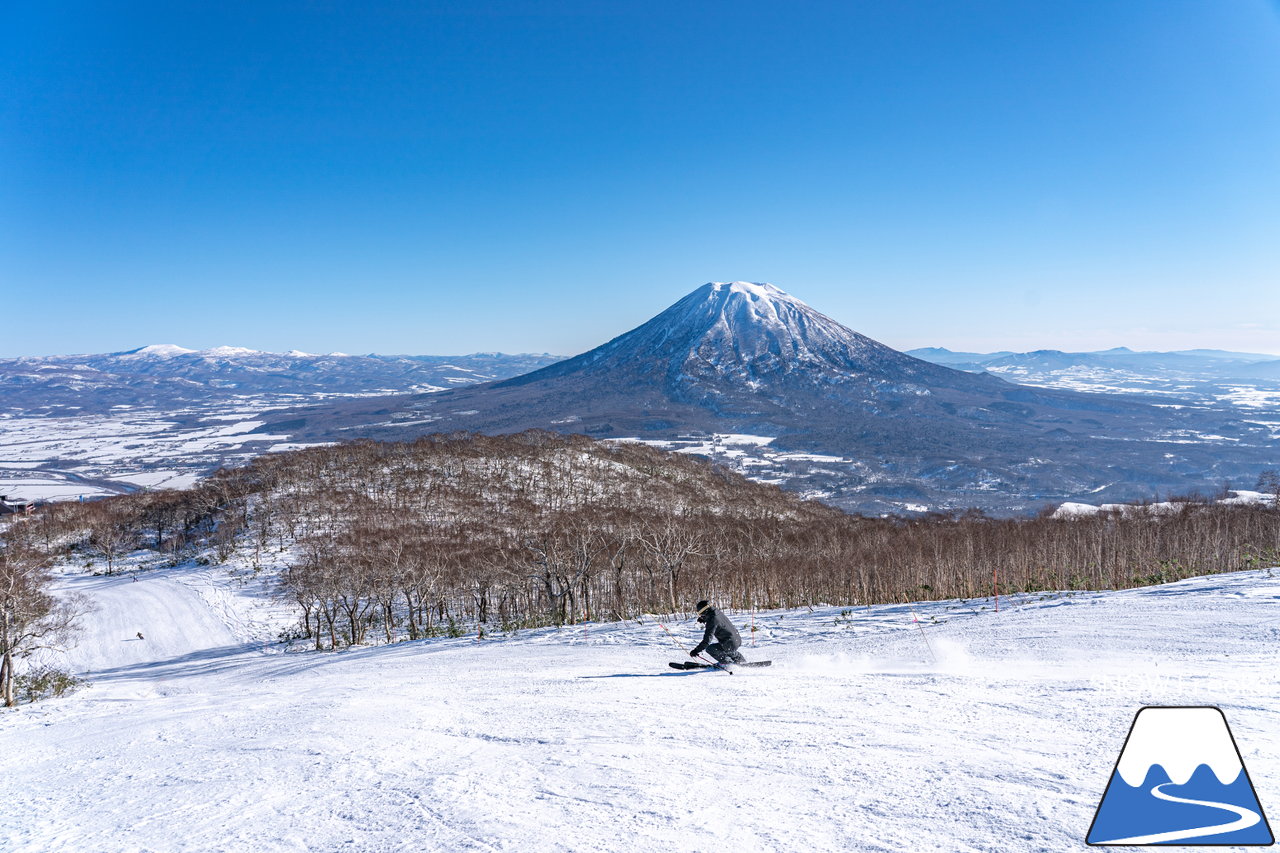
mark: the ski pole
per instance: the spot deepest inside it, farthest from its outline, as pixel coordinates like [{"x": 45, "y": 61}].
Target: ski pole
[
  {"x": 674, "y": 641},
  {"x": 680, "y": 647}
]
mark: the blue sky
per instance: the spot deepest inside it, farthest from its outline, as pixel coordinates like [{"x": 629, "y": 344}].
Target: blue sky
[{"x": 540, "y": 176}]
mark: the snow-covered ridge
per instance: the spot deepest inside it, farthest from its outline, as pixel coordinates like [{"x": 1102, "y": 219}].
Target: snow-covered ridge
[
  {"x": 166, "y": 351},
  {"x": 157, "y": 351},
  {"x": 1179, "y": 740},
  {"x": 228, "y": 351},
  {"x": 173, "y": 351}
]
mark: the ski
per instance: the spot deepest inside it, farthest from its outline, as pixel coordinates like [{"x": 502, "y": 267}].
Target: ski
[{"x": 694, "y": 665}]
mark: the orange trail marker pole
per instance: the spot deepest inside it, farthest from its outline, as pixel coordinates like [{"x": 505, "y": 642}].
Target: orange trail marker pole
[{"x": 923, "y": 635}]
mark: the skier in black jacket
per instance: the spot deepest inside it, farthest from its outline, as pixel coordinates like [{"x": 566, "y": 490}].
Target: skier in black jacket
[{"x": 725, "y": 649}]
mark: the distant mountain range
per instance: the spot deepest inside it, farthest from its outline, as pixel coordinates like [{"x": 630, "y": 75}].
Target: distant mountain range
[
  {"x": 819, "y": 408},
  {"x": 942, "y": 355},
  {"x": 743, "y": 373},
  {"x": 1200, "y": 377},
  {"x": 1198, "y": 374},
  {"x": 167, "y": 377}
]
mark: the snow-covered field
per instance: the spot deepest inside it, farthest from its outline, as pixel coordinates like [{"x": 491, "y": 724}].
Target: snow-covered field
[
  {"x": 971, "y": 730},
  {"x": 752, "y": 456},
  {"x": 48, "y": 458}
]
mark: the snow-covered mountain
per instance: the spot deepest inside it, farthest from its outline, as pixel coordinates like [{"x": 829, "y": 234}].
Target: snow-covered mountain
[
  {"x": 741, "y": 372},
  {"x": 838, "y": 415},
  {"x": 731, "y": 336},
  {"x": 168, "y": 376}
]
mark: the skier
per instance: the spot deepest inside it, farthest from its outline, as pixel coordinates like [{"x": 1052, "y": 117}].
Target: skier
[
  {"x": 140, "y": 635},
  {"x": 725, "y": 650}
]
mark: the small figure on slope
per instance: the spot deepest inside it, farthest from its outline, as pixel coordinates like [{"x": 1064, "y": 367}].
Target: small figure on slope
[
  {"x": 140, "y": 635},
  {"x": 719, "y": 628}
]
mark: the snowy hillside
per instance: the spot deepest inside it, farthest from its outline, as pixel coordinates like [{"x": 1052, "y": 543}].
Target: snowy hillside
[{"x": 972, "y": 730}]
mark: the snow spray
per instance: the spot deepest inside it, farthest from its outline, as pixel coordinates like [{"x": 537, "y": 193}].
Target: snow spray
[{"x": 952, "y": 659}]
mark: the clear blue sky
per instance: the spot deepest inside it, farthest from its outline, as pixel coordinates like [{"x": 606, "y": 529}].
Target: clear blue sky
[{"x": 540, "y": 176}]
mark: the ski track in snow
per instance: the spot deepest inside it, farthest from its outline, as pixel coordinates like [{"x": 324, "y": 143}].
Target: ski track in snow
[{"x": 1001, "y": 735}]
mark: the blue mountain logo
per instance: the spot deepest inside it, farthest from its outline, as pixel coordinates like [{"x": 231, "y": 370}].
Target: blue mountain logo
[{"x": 1180, "y": 780}]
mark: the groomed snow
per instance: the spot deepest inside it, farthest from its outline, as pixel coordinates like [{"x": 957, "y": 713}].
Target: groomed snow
[{"x": 969, "y": 731}]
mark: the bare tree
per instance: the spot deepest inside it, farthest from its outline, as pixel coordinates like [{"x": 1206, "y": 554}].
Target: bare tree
[
  {"x": 1269, "y": 482},
  {"x": 112, "y": 534},
  {"x": 671, "y": 544},
  {"x": 31, "y": 617}
]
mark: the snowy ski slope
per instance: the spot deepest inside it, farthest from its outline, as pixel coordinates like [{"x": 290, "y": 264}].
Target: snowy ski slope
[{"x": 998, "y": 734}]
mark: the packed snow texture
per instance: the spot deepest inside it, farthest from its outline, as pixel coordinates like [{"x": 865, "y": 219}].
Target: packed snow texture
[{"x": 965, "y": 730}]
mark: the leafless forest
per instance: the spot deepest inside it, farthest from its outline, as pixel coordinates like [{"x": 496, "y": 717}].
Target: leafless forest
[{"x": 376, "y": 542}]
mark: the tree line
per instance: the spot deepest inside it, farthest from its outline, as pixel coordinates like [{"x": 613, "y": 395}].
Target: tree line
[{"x": 377, "y": 542}]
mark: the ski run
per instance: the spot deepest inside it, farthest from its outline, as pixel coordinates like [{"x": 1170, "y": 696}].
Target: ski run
[{"x": 945, "y": 726}]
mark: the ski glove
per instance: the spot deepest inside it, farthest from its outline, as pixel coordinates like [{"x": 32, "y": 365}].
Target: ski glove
[{"x": 693, "y": 654}]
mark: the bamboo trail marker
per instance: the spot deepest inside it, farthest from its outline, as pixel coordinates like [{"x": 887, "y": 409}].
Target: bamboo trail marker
[{"x": 923, "y": 635}]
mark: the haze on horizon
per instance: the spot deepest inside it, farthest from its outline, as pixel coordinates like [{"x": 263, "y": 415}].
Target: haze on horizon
[{"x": 444, "y": 177}]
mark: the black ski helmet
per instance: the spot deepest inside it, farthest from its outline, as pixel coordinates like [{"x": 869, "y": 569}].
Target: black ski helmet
[{"x": 701, "y": 606}]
